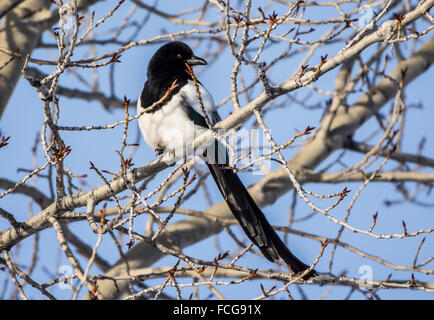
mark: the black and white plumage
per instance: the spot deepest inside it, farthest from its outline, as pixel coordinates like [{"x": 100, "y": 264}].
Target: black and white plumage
[{"x": 173, "y": 125}]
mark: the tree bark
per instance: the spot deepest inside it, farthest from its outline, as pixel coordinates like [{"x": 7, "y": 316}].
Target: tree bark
[{"x": 276, "y": 183}]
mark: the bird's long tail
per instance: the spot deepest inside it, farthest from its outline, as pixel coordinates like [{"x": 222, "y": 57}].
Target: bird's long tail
[{"x": 252, "y": 220}]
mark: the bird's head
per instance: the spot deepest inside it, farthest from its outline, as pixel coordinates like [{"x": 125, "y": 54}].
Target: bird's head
[{"x": 173, "y": 56}]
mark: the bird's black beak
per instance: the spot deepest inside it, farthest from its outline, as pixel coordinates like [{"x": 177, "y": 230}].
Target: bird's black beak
[{"x": 193, "y": 61}]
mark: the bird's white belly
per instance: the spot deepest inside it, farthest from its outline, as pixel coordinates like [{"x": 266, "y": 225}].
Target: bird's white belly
[{"x": 169, "y": 128}]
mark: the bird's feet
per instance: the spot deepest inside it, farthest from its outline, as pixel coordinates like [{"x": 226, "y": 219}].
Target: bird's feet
[{"x": 159, "y": 150}]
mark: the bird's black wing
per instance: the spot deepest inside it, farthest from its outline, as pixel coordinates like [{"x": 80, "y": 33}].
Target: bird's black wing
[
  {"x": 244, "y": 208},
  {"x": 238, "y": 199}
]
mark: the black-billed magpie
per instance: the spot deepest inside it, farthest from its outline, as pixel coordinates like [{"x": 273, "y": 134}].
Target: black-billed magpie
[{"x": 175, "y": 122}]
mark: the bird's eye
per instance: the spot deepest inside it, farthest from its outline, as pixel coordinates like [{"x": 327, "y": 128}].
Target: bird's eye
[{"x": 179, "y": 56}]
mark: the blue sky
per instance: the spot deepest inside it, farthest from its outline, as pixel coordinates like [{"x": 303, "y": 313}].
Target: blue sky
[{"x": 23, "y": 117}]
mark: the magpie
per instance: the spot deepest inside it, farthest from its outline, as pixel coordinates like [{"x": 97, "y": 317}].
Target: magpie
[{"x": 173, "y": 116}]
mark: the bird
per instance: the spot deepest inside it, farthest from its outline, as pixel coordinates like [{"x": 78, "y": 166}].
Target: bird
[{"x": 172, "y": 116}]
